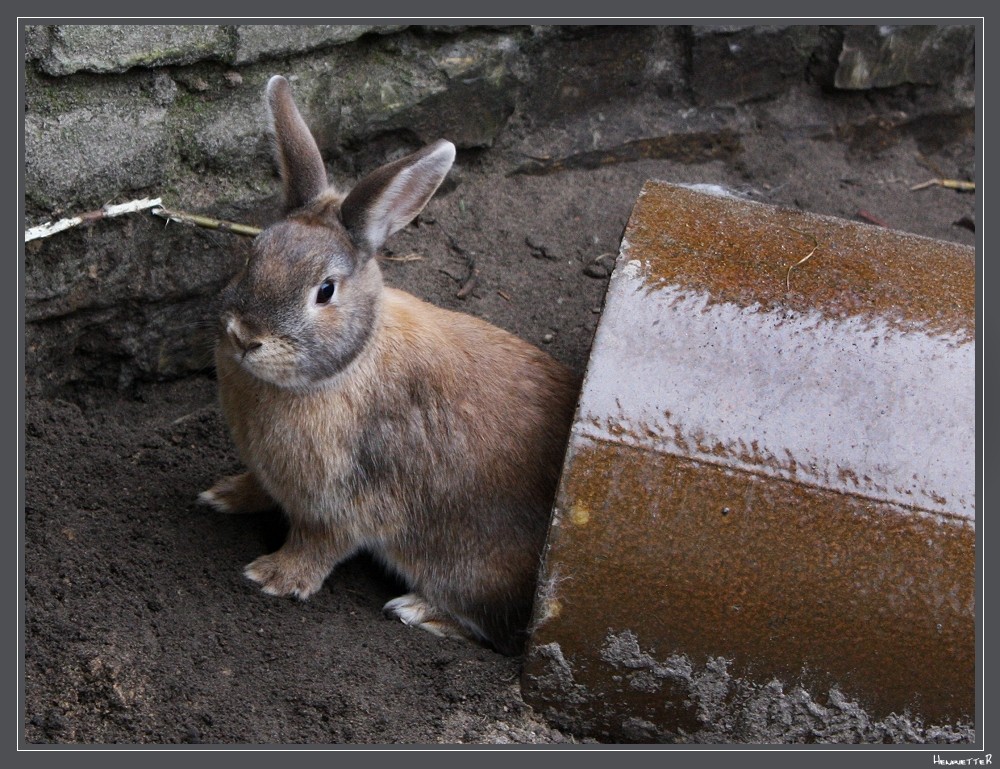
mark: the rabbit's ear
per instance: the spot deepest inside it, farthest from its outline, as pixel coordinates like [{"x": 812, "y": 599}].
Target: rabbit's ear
[
  {"x": 387, "y": 199},
  {"x": 303, "y": 174}
]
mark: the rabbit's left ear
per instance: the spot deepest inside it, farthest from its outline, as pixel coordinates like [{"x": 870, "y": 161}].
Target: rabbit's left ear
[
  {"x": 303, "y": 174},
  {"x": 387, "y": 199}
]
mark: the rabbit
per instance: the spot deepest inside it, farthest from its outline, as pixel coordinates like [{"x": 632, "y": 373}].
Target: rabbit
[{"x": 377, "y": 421}]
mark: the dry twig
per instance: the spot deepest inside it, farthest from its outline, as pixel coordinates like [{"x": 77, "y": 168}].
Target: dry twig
[
  {"x": 788, "y": 285},
  {"x": 205, "y": 221},
  {"x": 469, "y": 285},
  {"x": 870, "y": 217},
  {"x": 951, "y": 184},
  {"x": 104, "y": 212},
  {"x": 404, "y": 258}
]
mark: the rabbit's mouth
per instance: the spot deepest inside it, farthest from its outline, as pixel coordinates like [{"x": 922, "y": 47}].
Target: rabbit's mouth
[{"x": 265, "y": 357}]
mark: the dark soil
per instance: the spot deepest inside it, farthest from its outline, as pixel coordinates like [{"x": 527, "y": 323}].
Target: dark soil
[{"x": 139, "y": 626}]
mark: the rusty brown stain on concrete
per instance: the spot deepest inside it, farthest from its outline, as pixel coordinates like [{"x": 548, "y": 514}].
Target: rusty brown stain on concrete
[
  {"x": 742, "y": 253},
  {"x": 786, "y": 581}
]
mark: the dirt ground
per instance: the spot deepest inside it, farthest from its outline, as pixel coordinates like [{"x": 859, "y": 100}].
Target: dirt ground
[{"x": 138, "y": 624}]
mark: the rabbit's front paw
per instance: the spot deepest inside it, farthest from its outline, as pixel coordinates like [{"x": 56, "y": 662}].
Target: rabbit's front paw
[
  {"x": 237, "y": 494},
  {"x": 284, "y": 573}
]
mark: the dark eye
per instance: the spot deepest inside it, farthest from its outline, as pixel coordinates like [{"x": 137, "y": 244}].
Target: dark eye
[{"x": 326, "y": 291}]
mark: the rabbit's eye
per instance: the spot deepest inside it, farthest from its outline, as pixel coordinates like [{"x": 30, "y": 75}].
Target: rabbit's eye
[{"x": 326, "y": 291}]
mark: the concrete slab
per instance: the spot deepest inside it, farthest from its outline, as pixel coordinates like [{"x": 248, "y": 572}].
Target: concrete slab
[{"x": 765, "y": 529}]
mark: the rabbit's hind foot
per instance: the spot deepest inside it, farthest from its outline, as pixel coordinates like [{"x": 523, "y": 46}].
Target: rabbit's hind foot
[{"x": 412, "y": 609}]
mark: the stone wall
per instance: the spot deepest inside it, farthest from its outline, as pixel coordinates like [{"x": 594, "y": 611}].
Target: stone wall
[{"x": 113, "y": 113}]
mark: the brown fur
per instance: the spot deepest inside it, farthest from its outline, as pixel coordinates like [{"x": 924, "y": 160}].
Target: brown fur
[{"x": 377, "y": 421}]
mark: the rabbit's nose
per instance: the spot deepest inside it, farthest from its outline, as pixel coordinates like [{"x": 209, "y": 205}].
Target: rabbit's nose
[{"x": 240, "y": 338}]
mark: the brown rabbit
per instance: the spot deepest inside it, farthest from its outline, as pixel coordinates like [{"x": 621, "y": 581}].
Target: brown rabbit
[{"x": 377, "y": 421}]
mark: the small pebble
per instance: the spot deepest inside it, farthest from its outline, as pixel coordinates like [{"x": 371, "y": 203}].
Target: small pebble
[
  {"x": 600, "y": 266},
  {"x": 539, "y": 248},
  {"x": 548, "y": 338}
]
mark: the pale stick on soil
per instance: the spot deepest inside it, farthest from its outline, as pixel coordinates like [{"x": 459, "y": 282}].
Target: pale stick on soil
[{"x": 105, "y": 212}]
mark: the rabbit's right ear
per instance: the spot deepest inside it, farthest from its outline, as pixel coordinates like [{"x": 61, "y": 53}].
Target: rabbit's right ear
[
  {"x": 391, "y": 196},
  {"x": 303, "y": 174}
]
